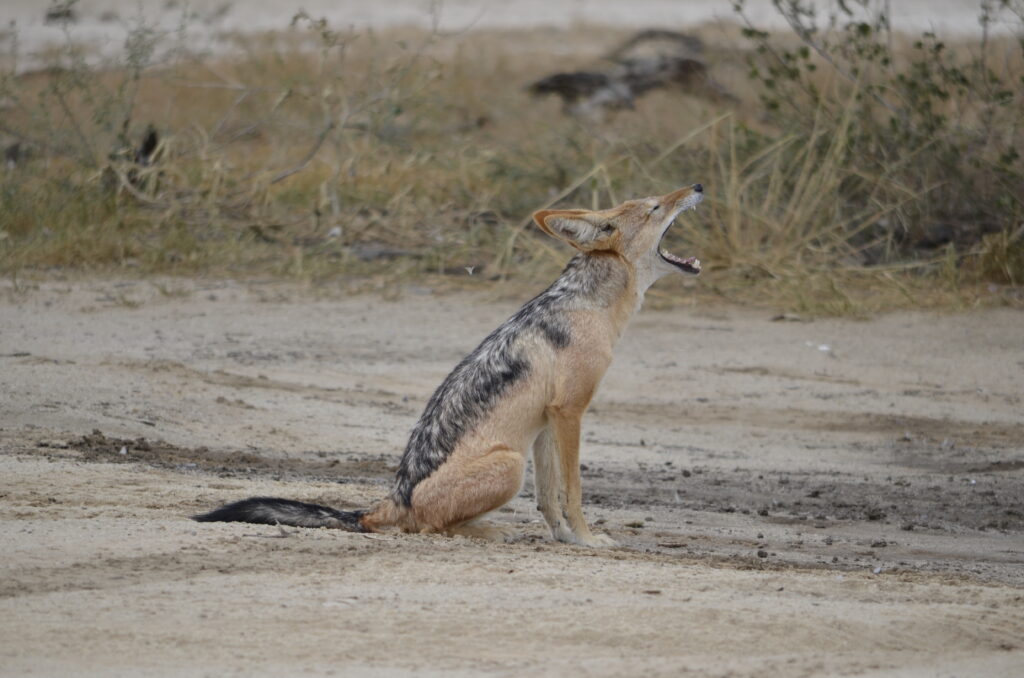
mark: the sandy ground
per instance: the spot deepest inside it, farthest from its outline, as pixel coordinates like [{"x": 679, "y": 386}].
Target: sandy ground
[{"x": 792, "y": 498}]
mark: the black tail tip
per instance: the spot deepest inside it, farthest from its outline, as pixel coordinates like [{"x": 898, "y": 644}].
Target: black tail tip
[
  {"x": 242, "y": 511},
  {"x": 274, "y": 511},
  {"x": 215, "y": 516}
]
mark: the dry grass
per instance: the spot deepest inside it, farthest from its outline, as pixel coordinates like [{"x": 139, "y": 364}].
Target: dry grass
[{"x": 376, "y": 159}]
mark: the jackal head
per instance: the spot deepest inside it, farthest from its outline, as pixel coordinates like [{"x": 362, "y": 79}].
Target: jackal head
[{"x": 633, "y": 231}]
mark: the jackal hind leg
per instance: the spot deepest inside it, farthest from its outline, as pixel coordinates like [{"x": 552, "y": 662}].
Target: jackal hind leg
[{"x": 466, "y": 487}]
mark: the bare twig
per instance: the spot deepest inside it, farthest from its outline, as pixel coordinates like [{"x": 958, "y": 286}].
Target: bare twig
[
  {"x": 281, "y": 176},
  {"x": 90, "y": 151}
]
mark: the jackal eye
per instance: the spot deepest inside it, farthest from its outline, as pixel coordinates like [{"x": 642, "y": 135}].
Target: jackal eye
[
  {"x": 607, "y": 228},
  {"x": 654, "y": 209}
]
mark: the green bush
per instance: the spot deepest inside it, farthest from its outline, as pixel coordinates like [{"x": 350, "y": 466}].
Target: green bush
[{"x": 933, "y": 131}]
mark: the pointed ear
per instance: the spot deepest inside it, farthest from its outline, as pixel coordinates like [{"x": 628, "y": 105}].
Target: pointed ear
[{"x": 575, "y": 228}]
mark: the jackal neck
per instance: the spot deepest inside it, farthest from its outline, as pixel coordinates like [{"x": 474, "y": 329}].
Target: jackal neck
[
  {"x": 601, "y": 281},
  {"x": 593, "y": 280}
]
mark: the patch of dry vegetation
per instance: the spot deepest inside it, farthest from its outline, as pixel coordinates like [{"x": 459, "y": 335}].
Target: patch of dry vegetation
[{"x": 857, "y": 170}]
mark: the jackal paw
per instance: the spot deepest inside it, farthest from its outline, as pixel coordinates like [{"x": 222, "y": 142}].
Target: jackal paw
[
  {"x": 585, "y": 539},
  {"x": 484, "y": 530},
  {"x": 598, "y": 541}
]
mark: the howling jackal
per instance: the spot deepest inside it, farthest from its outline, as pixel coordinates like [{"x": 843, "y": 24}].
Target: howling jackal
[{"x": 528, "y": 383}]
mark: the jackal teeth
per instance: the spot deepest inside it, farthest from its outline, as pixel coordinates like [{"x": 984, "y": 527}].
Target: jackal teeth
[{"x": 689, "y": 264}]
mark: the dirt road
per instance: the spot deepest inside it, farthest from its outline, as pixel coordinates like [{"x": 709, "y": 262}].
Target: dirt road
[{"x": 834, "y": 497}]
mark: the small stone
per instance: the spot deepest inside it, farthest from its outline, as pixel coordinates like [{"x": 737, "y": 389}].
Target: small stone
[{"x": 874, "y": 513}]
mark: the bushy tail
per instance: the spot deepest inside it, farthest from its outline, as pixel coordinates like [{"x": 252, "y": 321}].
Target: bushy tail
[{"x": 272, "y": 511}]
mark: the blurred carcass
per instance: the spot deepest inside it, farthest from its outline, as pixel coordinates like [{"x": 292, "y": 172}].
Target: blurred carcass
[{"x": 649, "y": 60}]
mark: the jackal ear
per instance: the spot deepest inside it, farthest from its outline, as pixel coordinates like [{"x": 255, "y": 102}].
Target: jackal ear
[{"x": 575, "y": 227}]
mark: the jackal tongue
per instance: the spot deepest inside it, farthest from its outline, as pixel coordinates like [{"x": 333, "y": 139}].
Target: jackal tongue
[{"x": 689, "y": 264}]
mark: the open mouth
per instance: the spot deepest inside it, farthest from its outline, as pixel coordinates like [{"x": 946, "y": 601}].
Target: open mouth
[{"x": 689, "y": 265}]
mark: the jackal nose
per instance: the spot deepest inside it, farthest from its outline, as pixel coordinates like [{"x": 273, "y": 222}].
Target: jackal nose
[{"x": 699, "y": 188}]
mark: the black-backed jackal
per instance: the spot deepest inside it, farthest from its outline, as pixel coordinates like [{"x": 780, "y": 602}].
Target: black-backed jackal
[{"x": 527, "y": 384}]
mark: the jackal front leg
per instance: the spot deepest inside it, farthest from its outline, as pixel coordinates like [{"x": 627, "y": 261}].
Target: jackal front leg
[
  {"x": 546, "y": 475},
  {"x": 565, "y": 430}
]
